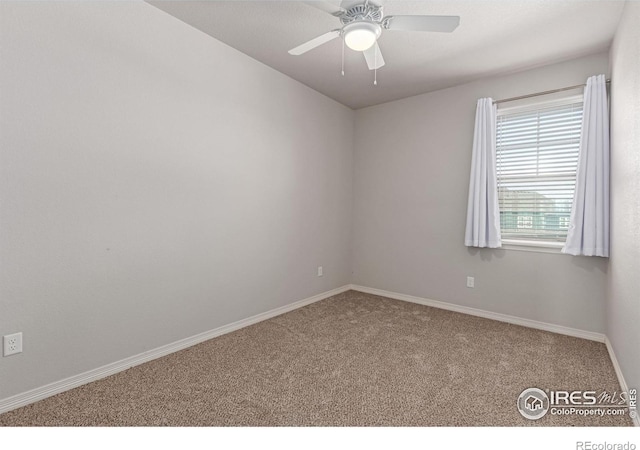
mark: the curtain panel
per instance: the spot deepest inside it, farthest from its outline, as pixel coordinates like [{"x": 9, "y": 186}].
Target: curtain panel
[
  {"x": 483, "y": 214},
  {"x": 589, "y": 222}
]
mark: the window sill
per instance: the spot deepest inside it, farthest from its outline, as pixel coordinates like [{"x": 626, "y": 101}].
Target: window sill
[{"x": 532, "y": 246}]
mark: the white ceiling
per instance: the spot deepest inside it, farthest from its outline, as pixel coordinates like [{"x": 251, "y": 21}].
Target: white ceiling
[{"x": 493, "y": 37}]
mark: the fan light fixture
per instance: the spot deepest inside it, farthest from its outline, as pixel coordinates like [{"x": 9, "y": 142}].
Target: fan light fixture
[
  {"x": 361, "y": 36},
  {"x": 362, "y": 22}
]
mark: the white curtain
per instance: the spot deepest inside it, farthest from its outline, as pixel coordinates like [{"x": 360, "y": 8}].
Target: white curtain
[
  {"x": 589, "y": 224},
  {"x": 483, "y": 215}
]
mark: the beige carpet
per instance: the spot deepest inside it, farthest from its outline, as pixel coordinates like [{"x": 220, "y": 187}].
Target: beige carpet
[{"x": 353, "y": 359}]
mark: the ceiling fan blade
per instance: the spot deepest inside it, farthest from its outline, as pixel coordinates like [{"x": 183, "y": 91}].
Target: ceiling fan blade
[
  {"x": 331, "y": 7},
  {"x": 445, "y": 24},
  {"x": 373, "y": 56},
  {"x": 313, "y": 43}
]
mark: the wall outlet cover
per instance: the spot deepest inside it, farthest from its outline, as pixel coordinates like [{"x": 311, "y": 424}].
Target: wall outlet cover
[{"x": 12, "y": 344}]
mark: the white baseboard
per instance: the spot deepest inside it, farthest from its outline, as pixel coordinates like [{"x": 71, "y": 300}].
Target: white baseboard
[
  {"x": 616, "y": 366},
  {"x": 599, "y": 337},
  {"x": 66, "y": 384}
]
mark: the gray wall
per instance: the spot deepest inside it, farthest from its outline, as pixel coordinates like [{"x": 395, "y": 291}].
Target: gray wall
[
  {"x": 623, "y": 299},
  {"x": 412, "y": 162},
  {"x": 154, "y": 184}
]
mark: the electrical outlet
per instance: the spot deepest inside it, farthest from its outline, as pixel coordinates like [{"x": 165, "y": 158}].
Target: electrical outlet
[
  {"x": 12, "y": 344},
  {"x": 320, "y": 271},
  {"x": 471, "y": 282}
]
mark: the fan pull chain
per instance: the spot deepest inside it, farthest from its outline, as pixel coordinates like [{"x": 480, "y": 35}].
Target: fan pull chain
[
  {"x": 343, "y": 57},
  {"x": 375, "y": 65}
]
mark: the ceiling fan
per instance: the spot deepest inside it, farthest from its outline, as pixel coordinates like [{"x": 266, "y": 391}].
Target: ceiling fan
[{"x": 363, "y": 23}]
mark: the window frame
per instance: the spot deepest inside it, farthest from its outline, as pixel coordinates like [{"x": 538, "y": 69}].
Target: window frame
[{"x": 523, "y": 107}]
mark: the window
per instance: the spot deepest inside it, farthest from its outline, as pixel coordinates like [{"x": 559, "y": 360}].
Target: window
[
  {"x": 563, "y": 222},
  {"x": 525, "y": 222},
  {"x": 537, "y": 158}
]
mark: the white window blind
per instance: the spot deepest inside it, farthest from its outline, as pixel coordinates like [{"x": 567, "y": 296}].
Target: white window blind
[{"x": 537, "y": 158}]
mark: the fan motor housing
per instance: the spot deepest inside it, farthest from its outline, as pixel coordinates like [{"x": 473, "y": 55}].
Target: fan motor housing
[{"x": 368, "y": 12}]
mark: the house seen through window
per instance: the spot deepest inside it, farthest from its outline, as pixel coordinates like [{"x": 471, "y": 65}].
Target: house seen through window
[{"x": 537, "y": 157}]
